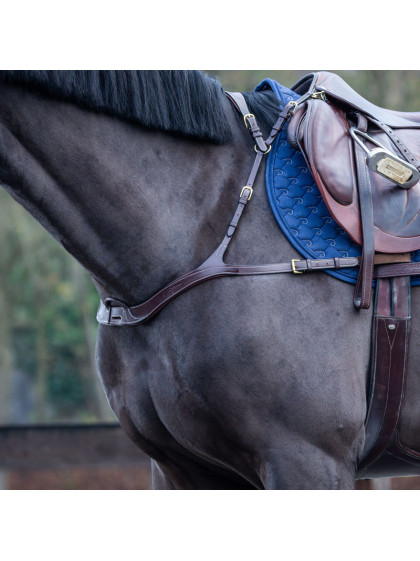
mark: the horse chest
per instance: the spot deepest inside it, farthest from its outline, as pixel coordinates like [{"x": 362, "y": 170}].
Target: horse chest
[{"x": 215, "y": 384}]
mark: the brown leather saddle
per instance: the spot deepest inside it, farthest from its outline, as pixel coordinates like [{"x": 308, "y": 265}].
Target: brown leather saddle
[
  {"x": 365, "y": 161},
  {"x": 321, "y": 128}
]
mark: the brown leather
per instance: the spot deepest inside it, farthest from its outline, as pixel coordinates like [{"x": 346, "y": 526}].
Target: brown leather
[
  {"x": 363, "y": 289},
  {"x": 335, "y": 86},
  {"x": 250, "y": 121},
  {"x": 321, "y": 130},
  {"x": 115, "y": 312},
  {"x": 390, "y": 339},
  {"x": 384, "y": 258}
]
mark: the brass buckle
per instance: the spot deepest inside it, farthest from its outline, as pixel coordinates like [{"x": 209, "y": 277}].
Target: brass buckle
[
  {"x": 319, "y": 95},
  {"x": 294, "y": 270},
  {"x": 248, "y": 116},
  {"x": 251, "y": 190},
  {"x": 295, "y": 104}
]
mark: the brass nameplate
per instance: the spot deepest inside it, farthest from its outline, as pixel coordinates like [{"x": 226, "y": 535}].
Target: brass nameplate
[{"x": 394, "y": 170}]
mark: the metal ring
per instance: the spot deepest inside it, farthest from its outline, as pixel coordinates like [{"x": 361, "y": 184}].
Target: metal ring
[{"x": 258, "y": 150}]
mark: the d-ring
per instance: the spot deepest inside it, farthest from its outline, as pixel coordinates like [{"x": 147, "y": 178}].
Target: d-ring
[{"x": 266, "y": 152}]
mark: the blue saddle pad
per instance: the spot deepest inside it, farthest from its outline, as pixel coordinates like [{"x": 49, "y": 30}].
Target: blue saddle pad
[{"x": 298, "y": 206}]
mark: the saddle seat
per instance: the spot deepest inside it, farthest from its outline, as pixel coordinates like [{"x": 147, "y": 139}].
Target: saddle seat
[
  {"x": 409, "y": 116},
  {"x": 335, "y": 86},
  {"x": 322, "y": 129}
]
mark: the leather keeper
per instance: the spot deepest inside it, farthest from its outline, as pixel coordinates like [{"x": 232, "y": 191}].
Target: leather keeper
[{"x": 386, "y": 258}]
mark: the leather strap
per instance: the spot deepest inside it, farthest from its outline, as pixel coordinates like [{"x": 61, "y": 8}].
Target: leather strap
[
  {"x": 363, "y": 289},
  {"x": 396, "y": 270},
  {"x": 115, "y": 312},
  {"x": 389, "y": 355},
  {"x": 285, "y": 114},
  {"x": 404, "y": 151},
  {"x": 238, "y": 101}
]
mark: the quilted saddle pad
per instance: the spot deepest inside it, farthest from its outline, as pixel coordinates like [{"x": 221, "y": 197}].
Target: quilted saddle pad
[{"x": 298, "y": 206}]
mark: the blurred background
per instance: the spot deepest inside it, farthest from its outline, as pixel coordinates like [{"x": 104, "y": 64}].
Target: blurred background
[
  {"x": 395, "y": 89},
  {"x": 48, "y": 331}
]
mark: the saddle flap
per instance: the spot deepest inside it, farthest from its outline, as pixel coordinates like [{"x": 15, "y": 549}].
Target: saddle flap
[{"x": 324, "y": 133}]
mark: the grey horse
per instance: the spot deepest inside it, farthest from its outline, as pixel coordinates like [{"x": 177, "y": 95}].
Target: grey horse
[{"x": 239, "y": 383}]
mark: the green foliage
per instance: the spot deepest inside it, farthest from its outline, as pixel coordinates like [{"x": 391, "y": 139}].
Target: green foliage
[
  {"x": 40, "y": 289},
  {"x": 395, "y": 89}
]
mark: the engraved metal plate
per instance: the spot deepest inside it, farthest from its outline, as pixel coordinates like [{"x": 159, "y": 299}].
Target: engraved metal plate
[
  {"x": 389, "y": 165},
  {"x": 394, "y": 170}
]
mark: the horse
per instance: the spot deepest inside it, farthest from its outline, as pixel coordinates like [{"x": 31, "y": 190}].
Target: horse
[{"x": 253, "y": 382}]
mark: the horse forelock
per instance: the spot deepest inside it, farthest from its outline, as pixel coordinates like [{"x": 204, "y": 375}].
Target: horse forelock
[{"x": 189, "y": 103}]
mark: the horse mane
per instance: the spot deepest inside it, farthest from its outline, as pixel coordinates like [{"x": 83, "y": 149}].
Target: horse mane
[{"x": 187, "y": 103}]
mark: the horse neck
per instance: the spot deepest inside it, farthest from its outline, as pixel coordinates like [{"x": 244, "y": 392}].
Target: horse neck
[{"x": 134, "y": 207}]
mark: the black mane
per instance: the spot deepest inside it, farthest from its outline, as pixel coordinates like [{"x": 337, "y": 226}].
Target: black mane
[{"x": 189, "y": 103}]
